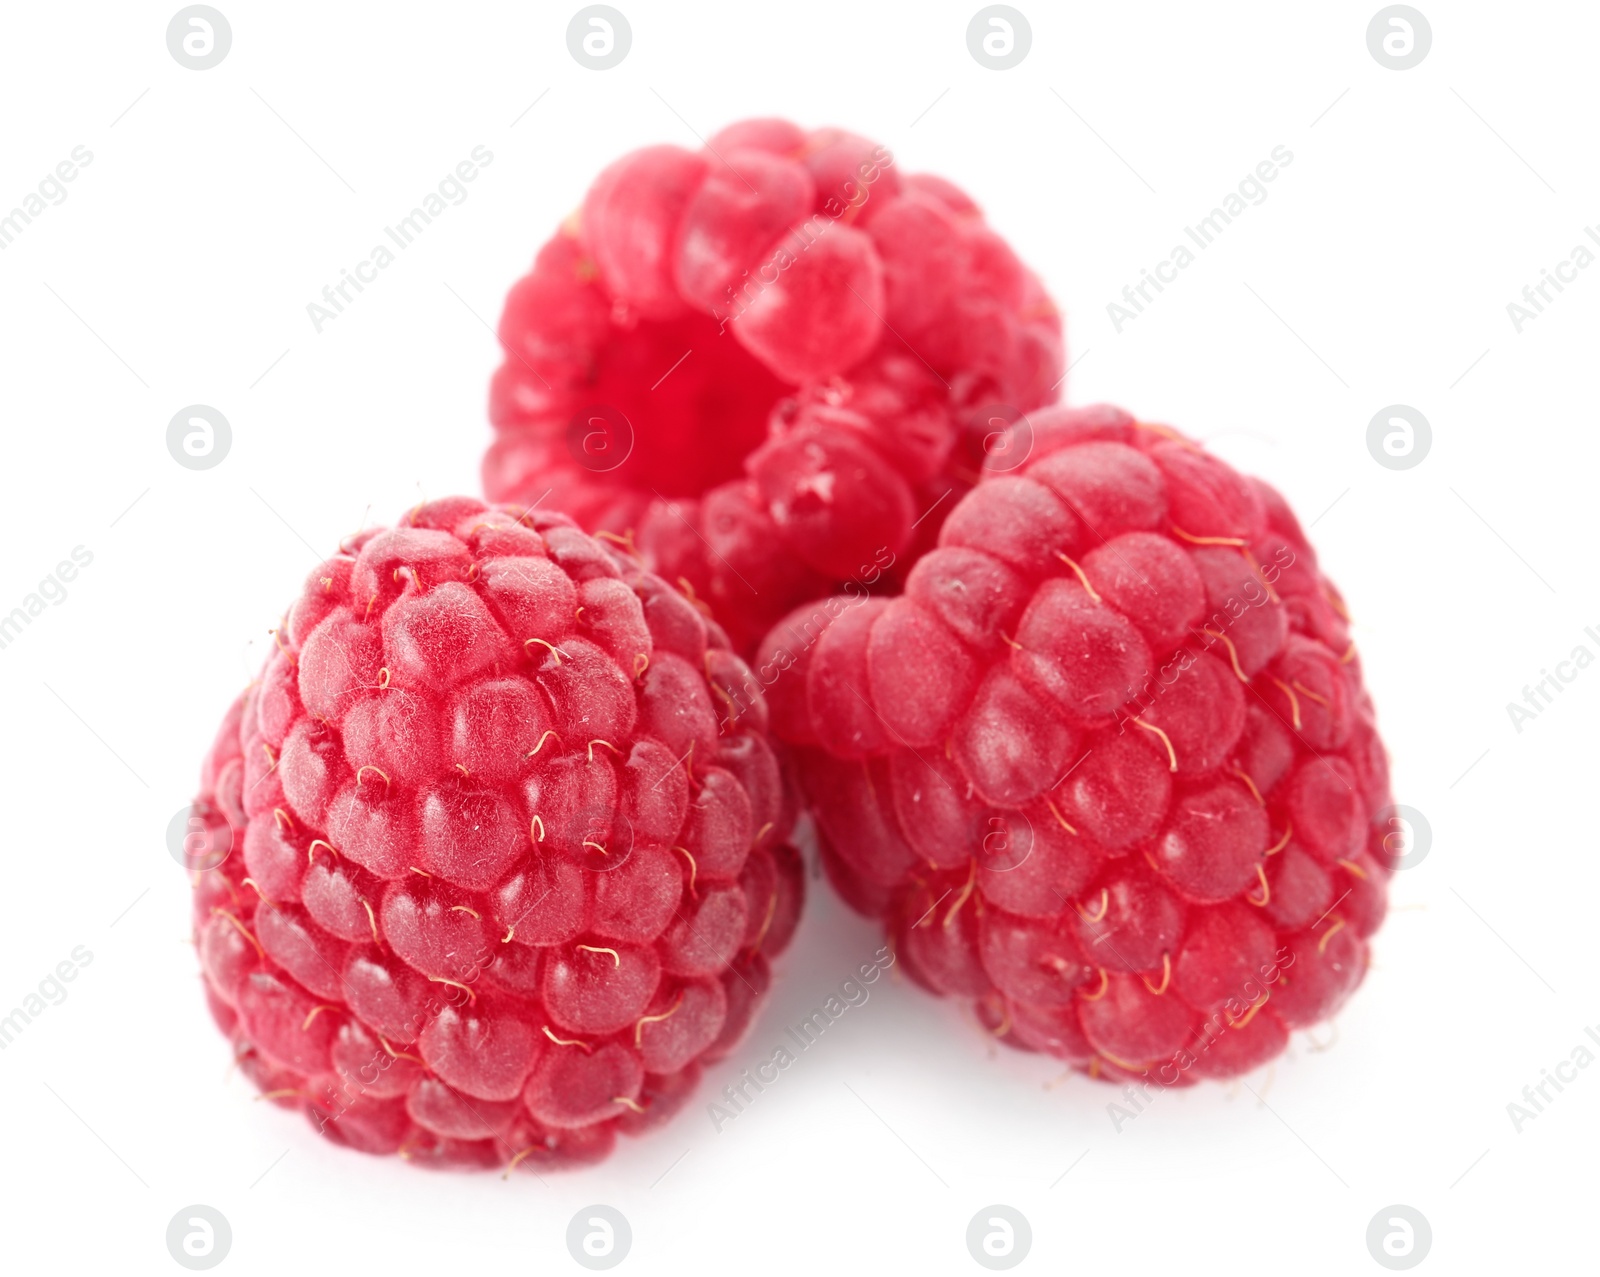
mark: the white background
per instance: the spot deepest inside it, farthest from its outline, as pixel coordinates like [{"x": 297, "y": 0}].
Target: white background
[{"x": 217, "y": 205}]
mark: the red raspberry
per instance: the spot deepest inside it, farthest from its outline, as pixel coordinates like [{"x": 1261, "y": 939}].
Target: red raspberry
[
  {"x": 764, "y": 362},
  {"x": 1107, "y": 765},
  {"x": 503, "y": 876}
]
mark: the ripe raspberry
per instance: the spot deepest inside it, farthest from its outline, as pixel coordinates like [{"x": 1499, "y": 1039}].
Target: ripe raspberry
[
  {"x": 503, "y": 877},
  {"x": 764, "y": 362},
  {"x": 1107, "y": 766}
]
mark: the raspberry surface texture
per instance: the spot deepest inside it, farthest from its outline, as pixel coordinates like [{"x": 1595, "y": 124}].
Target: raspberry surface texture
[
  {"x": 768, "y": 363},
  {"x": 1107, "y": 766},
  {"x": 506, "y": 870}
]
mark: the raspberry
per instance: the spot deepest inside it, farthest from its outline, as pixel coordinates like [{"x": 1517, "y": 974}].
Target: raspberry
[
  {"x": 503, "y": 878},
  {"x": 764, "y": 363},
  {"x": 1106, "y": 765}
]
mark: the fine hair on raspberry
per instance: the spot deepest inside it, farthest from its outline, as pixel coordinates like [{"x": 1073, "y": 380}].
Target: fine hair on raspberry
[
  {"x": 1106, "y": 766},
  {"x": 503, "y": 874}
]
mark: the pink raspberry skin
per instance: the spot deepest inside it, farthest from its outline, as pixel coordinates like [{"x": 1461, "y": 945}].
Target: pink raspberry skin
[
  {"x": 772, "y": 365},
  {"x": 503, "y": 877},
  {"x": 1107, "y": 765}
]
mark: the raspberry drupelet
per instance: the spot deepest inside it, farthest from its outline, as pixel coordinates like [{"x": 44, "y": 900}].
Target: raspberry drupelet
[
  {"x": 768, "y": 363},
  {"x": 1107, "y": 765},
  {"x": 505, "y": 870}
]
